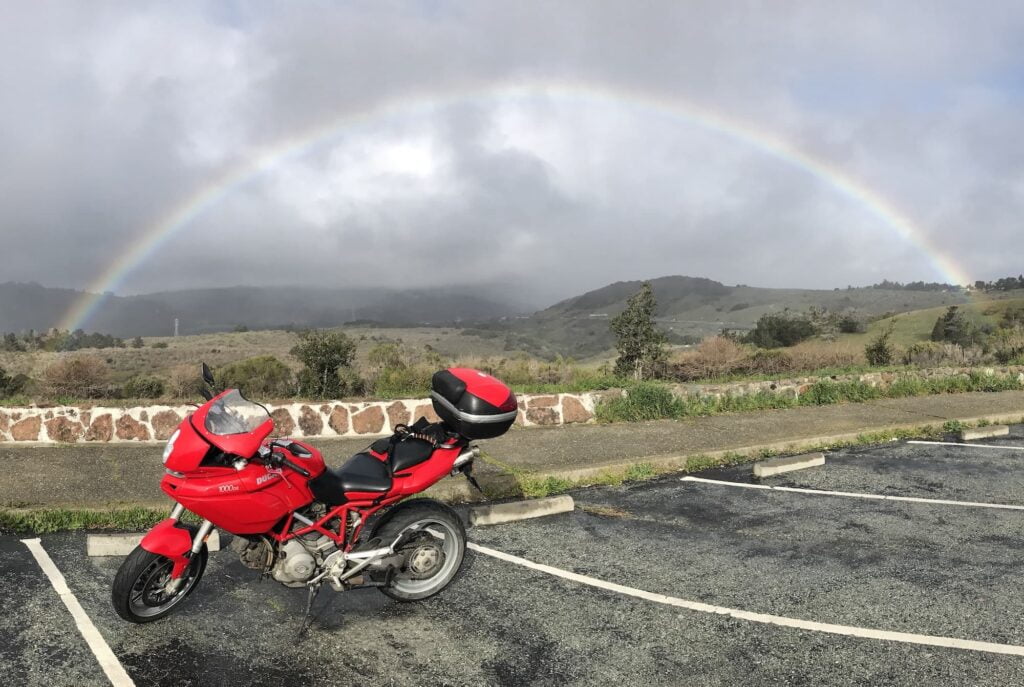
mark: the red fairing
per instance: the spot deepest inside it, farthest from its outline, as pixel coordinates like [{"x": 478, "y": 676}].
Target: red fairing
[
  {"x": 188, "y": 448},
  {"x": 427, "y": 473},
  {"x": 486, "y": 387},
  {"x": 250, "y": 501},
  {"x": 172, "y": 540}
]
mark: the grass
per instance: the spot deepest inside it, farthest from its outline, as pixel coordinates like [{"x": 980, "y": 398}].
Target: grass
[
  {"x": 46, "y": 520},
  {"x": 654, "y": 401},
  {"x": 916, "y": 326}
]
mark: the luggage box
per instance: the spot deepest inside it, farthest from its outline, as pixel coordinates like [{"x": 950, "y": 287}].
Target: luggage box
[{"x": 473, "y": 403}]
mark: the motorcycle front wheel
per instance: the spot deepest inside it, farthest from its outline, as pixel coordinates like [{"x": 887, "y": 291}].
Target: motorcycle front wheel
[
  {"x": 433, "y": 550},
  {"x": 140, "y": 592}
]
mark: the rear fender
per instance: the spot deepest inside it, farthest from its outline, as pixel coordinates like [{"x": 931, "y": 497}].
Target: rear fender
[{"x": 172, "y": 540}]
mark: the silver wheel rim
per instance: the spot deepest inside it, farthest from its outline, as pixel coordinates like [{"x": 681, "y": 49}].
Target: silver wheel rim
[
  {"x": 145, "y": 599},
  {"x": 450, "y": 545}
]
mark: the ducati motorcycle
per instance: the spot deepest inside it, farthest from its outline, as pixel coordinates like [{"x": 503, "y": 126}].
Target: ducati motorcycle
[{"x": 302, "y": 523}]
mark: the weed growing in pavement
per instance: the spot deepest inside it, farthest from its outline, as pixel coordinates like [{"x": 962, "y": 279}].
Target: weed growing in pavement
[{"x": 952, "y": 427}]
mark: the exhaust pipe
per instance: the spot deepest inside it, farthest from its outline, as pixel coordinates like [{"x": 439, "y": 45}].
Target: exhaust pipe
[{"x": 467, "y": 456}]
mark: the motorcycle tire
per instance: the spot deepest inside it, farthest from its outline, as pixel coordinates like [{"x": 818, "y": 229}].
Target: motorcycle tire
[
  {"x": 135, "y": 594},
  {"x": 434, "y": 552}
]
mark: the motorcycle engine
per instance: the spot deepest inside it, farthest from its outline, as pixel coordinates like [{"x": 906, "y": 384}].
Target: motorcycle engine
[
  {"x": 299, "y": 559},
  {"x": 294, "y": 564}
]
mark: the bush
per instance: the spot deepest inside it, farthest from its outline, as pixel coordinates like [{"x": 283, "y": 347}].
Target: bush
[
  {"x": 11, "y": 386},
  {"x": 852, "y": 324},
  {"x": 82, "y": 376},
  {"x": 159, "y": 344},
  {"x": 262, "y": 376},
  {"x": 185, "y": 381},
  {"x": 880, "y": 352},
  {"x": 144, "y": 386},
  {"x": 780, "y": 330},
  {"x": 768, "y": 362},
  {"x": 322, "y": 353},
  {"x": 137, "y": 342}
]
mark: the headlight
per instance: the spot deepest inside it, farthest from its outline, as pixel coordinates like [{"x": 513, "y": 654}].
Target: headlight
[{"x": 170, "y": 445}]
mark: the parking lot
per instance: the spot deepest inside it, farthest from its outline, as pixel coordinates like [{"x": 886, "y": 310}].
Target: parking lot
[{"x": 678, "y": 581}]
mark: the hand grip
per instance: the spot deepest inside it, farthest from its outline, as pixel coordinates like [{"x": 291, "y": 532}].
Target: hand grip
[{"x": 297, "y": 468}]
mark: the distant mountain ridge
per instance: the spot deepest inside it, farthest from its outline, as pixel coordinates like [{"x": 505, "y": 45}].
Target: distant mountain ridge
[
  {"x": 695, "y": 307},
  {"x": 31, "y": 306}
]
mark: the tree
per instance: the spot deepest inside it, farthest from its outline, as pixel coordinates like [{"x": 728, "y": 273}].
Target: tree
[
  {"x": 322, "y": 353},
  {"x": 640, "y": 344},
  {"x": 137, "y": 342},
  {"x": 953, "y": 327},
  {"x": 880, "y": 352},
  {"x": 781, "y": 329}
]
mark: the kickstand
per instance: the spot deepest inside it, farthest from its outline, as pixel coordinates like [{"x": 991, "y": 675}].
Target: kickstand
[
  {"x": 472, "y": 480},
  {"x": 307, "y": 620}
]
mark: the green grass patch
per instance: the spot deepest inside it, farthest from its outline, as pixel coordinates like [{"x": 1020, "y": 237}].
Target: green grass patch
[
  {"x": 45, "y": 520},
  {"x": 655, "y": 401}
]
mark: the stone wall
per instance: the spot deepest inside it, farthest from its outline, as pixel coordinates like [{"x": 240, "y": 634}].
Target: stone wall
[{"x": 68, "y": 424}]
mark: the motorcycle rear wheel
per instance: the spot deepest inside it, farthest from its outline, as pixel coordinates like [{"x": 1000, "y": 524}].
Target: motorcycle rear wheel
[
  {"x": 433, "y": 554},
  {"x": 138, "y": 594}
]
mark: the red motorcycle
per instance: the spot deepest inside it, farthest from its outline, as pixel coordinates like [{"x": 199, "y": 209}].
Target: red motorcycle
[{"x": 302, "y": 523}]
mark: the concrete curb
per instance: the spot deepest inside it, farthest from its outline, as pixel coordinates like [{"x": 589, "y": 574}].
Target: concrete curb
[
  {"x": 984, "y": 432},
  {"x": 778, "y": 466},
  {"x": 124, "y": 544},
  {"x": 520, "y": 510}
]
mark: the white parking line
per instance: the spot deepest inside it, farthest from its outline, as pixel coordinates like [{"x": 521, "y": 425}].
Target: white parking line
[
  {"x": 954, "y": 443},
  {"x": 101, "y": 650},
  {"x": 853, "y": 494},
  {"x": 783, "y": 621}
]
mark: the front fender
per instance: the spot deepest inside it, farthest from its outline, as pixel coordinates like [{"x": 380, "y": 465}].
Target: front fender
[{"x": 172, "y": 540}]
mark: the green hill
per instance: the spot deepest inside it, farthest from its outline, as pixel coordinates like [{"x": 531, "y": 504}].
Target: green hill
[
  {"x": 692, "y": 308},
  {"x": 916, "y": 326}
]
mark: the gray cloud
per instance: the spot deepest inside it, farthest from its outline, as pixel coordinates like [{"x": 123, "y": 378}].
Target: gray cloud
[{"x": 116, "y": 113}]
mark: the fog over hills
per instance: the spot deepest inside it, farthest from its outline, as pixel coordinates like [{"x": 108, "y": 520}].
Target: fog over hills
[
  {"x": 31, "y": 306},
  {"x": 577, "y": 326}
]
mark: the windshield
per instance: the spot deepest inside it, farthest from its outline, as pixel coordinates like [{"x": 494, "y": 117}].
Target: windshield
[{"x": 234, "y": 414}]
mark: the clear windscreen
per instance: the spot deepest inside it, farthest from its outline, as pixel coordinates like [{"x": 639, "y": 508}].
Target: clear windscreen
[{"x": 234, "y": 414}]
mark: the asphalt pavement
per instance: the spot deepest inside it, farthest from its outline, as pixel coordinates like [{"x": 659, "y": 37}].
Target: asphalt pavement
[{"x": 854, "y": 568}]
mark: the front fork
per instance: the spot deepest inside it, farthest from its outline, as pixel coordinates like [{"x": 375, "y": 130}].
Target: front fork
[{"x": 181, "y": 562}]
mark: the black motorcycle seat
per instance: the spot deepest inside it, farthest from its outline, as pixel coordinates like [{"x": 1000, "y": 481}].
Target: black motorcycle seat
[
  {"x": 362, "y": 472},
  {"x": 409, "y": 453}
]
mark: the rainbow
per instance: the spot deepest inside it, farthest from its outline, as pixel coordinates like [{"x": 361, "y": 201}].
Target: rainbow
[{"x": 193, "y": 206}]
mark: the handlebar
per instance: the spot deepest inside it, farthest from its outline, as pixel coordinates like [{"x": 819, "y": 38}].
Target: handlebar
[
  {"x": 297, "y": 468},
  {"x": 276, "y": 459}
]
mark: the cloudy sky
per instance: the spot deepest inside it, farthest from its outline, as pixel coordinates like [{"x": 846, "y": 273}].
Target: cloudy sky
[{"x": 553, "y": 146}]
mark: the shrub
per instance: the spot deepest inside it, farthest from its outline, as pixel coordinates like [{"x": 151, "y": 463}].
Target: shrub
[
  {"x": 82, "y": 376},
  {"x": 768, "y": 362},
  {"x": 880, "y": 352},
  {"x": 782, "y": 329},
  {"x": 159, "y": 344},
  {"x": 262, "y": 376},
  {"x": 144, "y": 386},
  {"x": 322, "y": 353},
  {"x": 185, "y": 381},
  {"x": 137, "y": 342},
  {"x": 852, "y": 324},
  {"x": 11, "y": 386}
]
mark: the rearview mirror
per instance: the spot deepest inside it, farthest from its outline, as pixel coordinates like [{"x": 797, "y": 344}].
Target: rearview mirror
[{"x": 207, "y": 374}]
